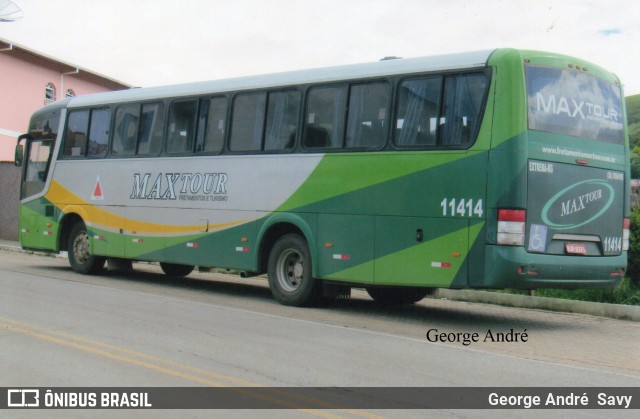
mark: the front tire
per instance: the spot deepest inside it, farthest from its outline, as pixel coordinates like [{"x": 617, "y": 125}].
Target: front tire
[
  {"x": 79, "y": 249},
  {"x": 290, "y": 273},
  {"x": 398, "y": 295}
]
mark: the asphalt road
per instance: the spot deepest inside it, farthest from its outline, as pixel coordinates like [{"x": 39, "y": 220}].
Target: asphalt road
[{"x": 61, "y": 329}]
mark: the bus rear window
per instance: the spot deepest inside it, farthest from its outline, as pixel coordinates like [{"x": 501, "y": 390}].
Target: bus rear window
[{"x": 575, "y": 103}]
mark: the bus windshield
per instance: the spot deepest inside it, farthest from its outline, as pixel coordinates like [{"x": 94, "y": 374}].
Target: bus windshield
[
  {"x": 572, "y": 102},
  {"x": 39, "y": 150}
]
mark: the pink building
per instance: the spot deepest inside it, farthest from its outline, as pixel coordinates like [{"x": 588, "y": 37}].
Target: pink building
[{"x": 29, "y": 80}]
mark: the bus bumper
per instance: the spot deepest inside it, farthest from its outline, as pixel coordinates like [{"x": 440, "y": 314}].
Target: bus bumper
[{"x": 513, "y": 267}]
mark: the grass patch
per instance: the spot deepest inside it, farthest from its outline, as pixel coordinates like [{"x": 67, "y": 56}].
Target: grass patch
[{"x": 625, "y": 293}]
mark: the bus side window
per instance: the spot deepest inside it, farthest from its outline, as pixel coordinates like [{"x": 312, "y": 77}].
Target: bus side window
[
  {"x": 247, "y": 122},
  {"x": 125, "y": 130},
  {"x": 418, "y": 107},
  {"x": 212, "y": 113},
  {"x": 325, "y": 114},
  {"x": 75, "y": 141},
  {"x": 282, "y": 120},
  {"x": 182, "y": 124},
  {"x": 366, "y": 126},
  {"x": 463, "y": 96},
  {"x": 151, "y": 129},
  {"x": 99, "y": 132}
]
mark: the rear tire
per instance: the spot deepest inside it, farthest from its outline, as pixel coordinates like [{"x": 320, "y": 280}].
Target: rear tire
[
  {"x": 79, "y": 249},
  {"x": 175, "y": 270},
  {"x": 290, "y": 273},
  {"x": 398, "y": 295}
]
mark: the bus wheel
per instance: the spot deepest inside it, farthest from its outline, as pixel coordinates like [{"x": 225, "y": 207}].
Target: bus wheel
[
  {"x": 80, "y": 257},
  {"x": 175, "y": 270},
  {"x": 289, "y": 271},
  {"x": 398, "y": 295}
]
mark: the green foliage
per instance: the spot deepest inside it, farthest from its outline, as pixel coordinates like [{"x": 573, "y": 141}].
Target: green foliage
[
  {"x": 633, "y": 120},
  {"x": 633, "y": 267},
  {"x": 633, "y": 109},
  {"x": 625, "y": 293},
  {"x": 634, "y": 134},
  {"x": 635, "y": 162}
]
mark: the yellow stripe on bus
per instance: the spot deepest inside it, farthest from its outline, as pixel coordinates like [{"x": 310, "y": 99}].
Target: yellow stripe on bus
[{"x": 67, "y": 202}]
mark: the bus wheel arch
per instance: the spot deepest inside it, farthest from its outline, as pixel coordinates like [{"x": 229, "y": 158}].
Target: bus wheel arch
[
  {"x": 66, "y": 224},
  {"x": 278, "y": 227},
  {"x": 291, "y": 279},
  {"x": 78, "y": 248}
]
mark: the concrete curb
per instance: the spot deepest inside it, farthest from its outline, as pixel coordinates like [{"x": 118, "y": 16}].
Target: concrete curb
[
  {"x": 615, "y": 311},
  {"x": 11, "y": 247}
]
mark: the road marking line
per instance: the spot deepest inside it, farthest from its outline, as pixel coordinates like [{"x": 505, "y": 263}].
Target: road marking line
[
  {"x": 66, "y": 339},
  {"x": 131, "y": 352}
]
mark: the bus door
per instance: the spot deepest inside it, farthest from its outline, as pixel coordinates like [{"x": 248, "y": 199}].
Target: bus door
[{"x": 36, "y": 226}]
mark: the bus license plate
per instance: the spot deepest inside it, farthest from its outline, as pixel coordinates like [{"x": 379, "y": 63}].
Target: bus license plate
[{"x": 576, "y": 248}]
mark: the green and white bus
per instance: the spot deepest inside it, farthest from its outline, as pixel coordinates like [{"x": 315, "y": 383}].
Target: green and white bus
[{"x": 491, "y": 169}]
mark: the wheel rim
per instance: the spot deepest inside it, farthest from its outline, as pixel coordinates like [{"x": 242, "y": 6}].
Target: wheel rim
[
  {"x": 81, "y": 247},
  {"x": 290, "y": 270}
]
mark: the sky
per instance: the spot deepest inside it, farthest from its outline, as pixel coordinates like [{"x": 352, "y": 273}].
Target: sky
[{"x": 157, "y": 42}]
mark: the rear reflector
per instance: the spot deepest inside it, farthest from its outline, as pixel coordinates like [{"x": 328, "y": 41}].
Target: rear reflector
[
  {"x": 511, "y": 226},
  {"x": 512, "y": 215},
  {"x": 626, "y": 234}
]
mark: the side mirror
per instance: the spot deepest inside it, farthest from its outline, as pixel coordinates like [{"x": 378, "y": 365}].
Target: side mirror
[{"x": 19, "y": 155}]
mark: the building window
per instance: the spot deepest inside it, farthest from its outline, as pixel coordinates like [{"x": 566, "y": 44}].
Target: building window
[
  {"x": 49, "y": 93},
  {"x": 69, "y": 93}
]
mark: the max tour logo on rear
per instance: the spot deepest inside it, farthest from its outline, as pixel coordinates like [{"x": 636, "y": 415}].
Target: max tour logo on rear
[{"x": 578, "y": 204}]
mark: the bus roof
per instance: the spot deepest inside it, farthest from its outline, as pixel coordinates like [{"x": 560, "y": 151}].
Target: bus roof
[{"x": 319, "y": 75}]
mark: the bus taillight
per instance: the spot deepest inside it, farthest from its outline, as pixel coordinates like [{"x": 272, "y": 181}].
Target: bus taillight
[
  {"x": 626, "y": 233},
  {"x": 511, "y": 227}
]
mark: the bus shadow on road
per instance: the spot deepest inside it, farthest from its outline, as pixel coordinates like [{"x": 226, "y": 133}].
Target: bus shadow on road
[
  {"x": 359, "y": 306},
  {"x": 456, "y": 314}
]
